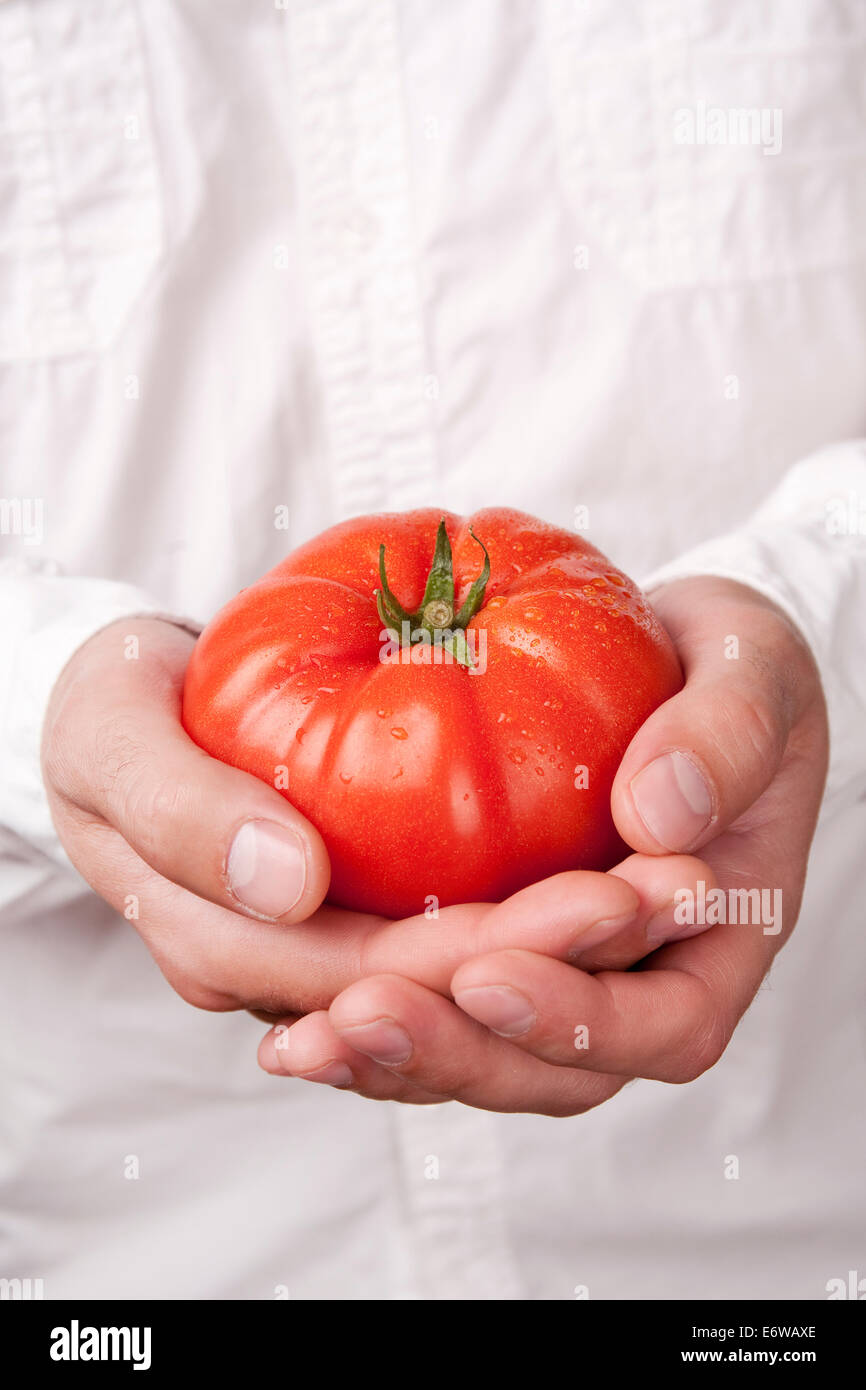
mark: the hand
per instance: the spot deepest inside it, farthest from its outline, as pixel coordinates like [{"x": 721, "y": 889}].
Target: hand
[
  {"x": 223, "y": 879},
  {"x": 734, "y": 767}
]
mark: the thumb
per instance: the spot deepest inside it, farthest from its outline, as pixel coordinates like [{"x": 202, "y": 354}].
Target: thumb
[
  {"x": 708, "y": 753},
  {"x": 116, "y": 753}
]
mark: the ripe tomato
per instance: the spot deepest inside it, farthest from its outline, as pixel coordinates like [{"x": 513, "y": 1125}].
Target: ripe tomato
[{"x": 472, "y": 756}]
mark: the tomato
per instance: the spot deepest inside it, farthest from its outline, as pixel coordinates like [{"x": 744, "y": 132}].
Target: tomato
[{"x": 452, "y": 738}]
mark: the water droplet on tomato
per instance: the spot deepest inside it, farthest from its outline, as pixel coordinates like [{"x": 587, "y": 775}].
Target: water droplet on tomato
[
  {"x": 299, "y": 735},
  {"x": 539, "y": 771},
  {"x": 399, "y": 733},
  {"x": 306, "y": 699},
  {"x": 346, "y": 777},
  {"x": 517, "y": 755}
]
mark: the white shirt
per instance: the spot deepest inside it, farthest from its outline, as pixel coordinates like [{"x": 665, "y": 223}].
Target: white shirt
[{"x": 356, "y": 255}]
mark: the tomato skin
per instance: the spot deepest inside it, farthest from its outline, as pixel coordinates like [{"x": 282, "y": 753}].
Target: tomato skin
[{"x": 430, "y": 781}]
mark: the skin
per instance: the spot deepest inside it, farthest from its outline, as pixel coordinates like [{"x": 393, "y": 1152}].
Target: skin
[{"x": 142, "y": 811}]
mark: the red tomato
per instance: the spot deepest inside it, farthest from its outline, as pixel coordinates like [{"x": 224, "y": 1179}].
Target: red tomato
[{"x": 450, "y": 768}]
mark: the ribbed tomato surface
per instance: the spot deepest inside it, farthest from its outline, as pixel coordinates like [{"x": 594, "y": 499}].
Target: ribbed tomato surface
[{"x": 430, "y": 782}]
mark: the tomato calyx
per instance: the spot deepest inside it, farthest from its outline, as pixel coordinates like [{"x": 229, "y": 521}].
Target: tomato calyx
[{"x": 435, "y": 618}]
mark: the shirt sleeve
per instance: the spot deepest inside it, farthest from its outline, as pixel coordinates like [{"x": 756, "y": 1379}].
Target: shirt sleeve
[
  {"x": 44, "y": 619},
  {"x": 805, "y": 548}
]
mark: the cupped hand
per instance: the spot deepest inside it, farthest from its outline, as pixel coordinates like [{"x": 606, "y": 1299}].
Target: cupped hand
[
  {"x": 225, "y": 881},
  {"x": 731, "y": 769}
]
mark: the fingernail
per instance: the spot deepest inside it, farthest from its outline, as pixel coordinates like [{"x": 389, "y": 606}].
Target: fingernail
[
  {"x": 673, "y": 800},
  {"x": 267, "y": 867},
  {"x": 499, "y": 1007},
  {"x": 384, "y": 1040},
  {"x": 597, "y": 932},
  {"x": 272, "y": 1052},
  {"x": 331, "y": 1074}
]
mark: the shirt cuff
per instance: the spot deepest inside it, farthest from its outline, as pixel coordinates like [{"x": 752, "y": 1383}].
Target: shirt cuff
[
  {"x": 805, "y": 549},
  {"x": 47, "y": 618}
]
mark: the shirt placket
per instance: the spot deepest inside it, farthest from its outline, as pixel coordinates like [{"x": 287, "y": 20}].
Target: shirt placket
[
  {"x": 355, "y": 223},
  {"x": 453, "y": 1198}
]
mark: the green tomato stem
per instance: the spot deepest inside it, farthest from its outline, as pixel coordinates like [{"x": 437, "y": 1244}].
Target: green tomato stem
[{"x": 436, "y": 614}]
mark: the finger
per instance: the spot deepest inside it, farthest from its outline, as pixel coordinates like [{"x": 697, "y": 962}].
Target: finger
[
  {"x": 218, "y": 959},
  {"x": 668, "y": 1021},
  {"x": 672, "y": 1019},
  {"x": 310, "y": 1049},
  {"x": 600, "y": 921},
  {"x": 215, "y": 958},
  {"x": 706, "y": 754},
  {"x": 559, "y": 918},
  {"x": 119, "y": 755},
  {"x": 424, "y": 1039},
  {"x": 556, "y": 915}
]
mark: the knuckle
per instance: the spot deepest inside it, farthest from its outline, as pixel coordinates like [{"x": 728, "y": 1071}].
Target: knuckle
[
  {"x": 118, "y": 753},
  {"x": 562, "y": 1109},
  {"x": 761, "y": 712},
  {"x": 575, "y": 1095},
  {"x": 749, "y": 720},
  {"x": 195, "y": 992},
  {"x": 63, "y": 750},
  {"x": 783, "y": 661},
  {"x": 702, "y": 1050},
  {"x": 189, "y": 978},
  {"x": 272, "y": 998},
  {"x": 61, "y": 769},
  {"x": 148, "y": 804}
]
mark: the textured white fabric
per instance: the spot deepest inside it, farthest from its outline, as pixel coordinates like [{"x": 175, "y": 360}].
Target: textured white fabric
[{"x": 315, "y": 258}]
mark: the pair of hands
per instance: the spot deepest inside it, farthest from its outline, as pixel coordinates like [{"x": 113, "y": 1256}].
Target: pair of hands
[{"x": 549, "y": 1002}]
